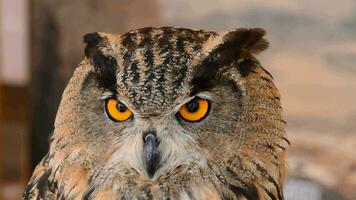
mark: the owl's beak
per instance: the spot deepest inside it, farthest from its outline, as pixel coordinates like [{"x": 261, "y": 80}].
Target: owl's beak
[{"x": 150, "y": 153}]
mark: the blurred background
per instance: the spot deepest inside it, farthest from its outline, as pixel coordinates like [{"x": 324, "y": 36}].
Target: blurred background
[{"x": 312, "y": 57}]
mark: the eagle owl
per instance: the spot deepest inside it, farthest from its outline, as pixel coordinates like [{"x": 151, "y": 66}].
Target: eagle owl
[{"x": 167, "y": 113}]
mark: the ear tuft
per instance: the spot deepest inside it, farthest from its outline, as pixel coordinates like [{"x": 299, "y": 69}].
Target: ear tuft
[
  {"x": 255, "y": 42},
  {"x": 238, "y": 44},
  {"x": 105, "y": 66},
  {"x": 92, "y": 40},
  {"x": 248, "y": 40}
]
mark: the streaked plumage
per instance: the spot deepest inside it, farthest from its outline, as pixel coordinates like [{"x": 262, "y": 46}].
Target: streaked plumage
[{"x": 236, "y": 152}]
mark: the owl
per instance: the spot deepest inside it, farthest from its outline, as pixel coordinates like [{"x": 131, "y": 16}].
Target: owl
[{"x": 167, "y": 113}]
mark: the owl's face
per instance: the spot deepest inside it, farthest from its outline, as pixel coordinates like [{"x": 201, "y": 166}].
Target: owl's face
[{"x": 173, "y": 107}]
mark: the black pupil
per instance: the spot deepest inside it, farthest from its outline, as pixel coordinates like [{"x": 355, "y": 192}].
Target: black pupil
[
  {"x": 121, "y": 107},
  {"x": 192, "y": 106}
]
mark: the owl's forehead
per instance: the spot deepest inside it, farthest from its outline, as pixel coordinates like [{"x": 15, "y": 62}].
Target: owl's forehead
[{"x": 156, "y": 65}]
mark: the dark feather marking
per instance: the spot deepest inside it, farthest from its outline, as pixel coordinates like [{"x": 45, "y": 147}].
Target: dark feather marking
[
  {"x": 218, "y": 175},
  {"x": 43, "y": 184},
  {"x": 245, "y": 67},
  {"x": 275, "y": 98},
  {"x": 145, "y": 30},
  {"x": 165, "y": 49},
  {"x": 29, "y": 190},
  {"x": 105, "y": 67},
  {"x": 271, "y": 195},
  {"x": 92, "y": 177},
  {"x": 207, "y": 71},
  {"x": 161, "y": 78},
  {"x": 146, "y": 42},
  {"x": 245, "y": 189},
  {"x": 128, "y": 42},
  {"x": 88, "y": 194},
  {"x": 180, "y": 45},
  {"x": 250, "y": 193},
  {"x": 169, "y": 30},
  {"x": 281, "y": 147},
  {"x": 270, "y": 179},
  {"x": 286, "y": 140},
  {"x": 179, "y": 73},
  {"x": 195, "y": 41},
  {"x": 269, "y": 80},
  {"x": 149, "y": 56},
  {"x": 163, "y": 42},
  {"x": 135, "y": 71},
  {"x": 92, "y": 40},
  {"x": 267, "y": 72}
]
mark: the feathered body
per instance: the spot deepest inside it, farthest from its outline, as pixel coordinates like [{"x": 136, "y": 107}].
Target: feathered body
[{"x": 236, "y": 152}]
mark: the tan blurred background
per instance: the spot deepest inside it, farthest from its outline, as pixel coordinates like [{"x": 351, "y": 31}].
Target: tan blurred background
[{"x": 312, "y": 57}]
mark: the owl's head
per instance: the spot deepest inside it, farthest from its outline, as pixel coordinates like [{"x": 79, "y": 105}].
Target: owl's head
[{"x": 165, "y": 104}]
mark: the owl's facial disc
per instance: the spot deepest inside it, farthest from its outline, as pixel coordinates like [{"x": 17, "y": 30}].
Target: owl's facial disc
[{"x": 150, "y": 153}]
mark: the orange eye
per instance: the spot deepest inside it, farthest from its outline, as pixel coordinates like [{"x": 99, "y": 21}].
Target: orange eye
[
  {"x": 117, "y": 111},
  {"x": 195, "y": 110}
]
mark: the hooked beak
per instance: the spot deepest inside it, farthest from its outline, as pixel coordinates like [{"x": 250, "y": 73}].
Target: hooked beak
[{"x": 150, "y": 153}]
